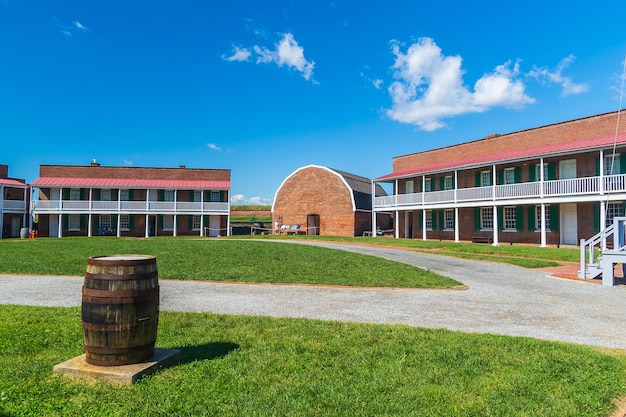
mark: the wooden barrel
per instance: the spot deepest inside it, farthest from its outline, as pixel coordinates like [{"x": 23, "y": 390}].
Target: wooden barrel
[{"x": 120, "y": 309}]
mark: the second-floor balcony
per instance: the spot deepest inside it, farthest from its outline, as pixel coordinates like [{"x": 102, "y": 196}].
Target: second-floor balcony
[
  {"x": 14, "y": 205},
  {"x": 589, "y": 186},
  {"x": 132, "y": 207}
]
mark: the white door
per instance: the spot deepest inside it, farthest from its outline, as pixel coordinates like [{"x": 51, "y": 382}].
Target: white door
[
  {"x": 569, "y": 224},
  {"x": 214, "y": 226},
  {"x": 53, "y": 225}
]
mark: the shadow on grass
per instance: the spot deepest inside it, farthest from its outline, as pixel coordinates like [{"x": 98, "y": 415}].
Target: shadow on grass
[{"x": 206, "y": 351}]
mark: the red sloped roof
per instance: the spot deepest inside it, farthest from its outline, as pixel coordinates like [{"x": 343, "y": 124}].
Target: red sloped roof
[
  {"x": 12, "y": 183},
  {"x": 499, "y": 157},
  {"x": 131, "y": 183}
]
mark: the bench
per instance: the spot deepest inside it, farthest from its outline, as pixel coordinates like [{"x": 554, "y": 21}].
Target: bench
[{"x": 482, "y": 239}]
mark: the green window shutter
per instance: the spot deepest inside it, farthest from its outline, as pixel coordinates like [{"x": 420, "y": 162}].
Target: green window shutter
[
  {"x": 81, "y": 193},
  {"x": 517, "y": 173},
  {"x": 477, "y": 178},
  {"x": 551, "y": 173},
  {"x": 500, "y": 217},
  {"x": 114, "y": 221},
  {"x": 441, "y": 219},
  {"x": 622, "y": 163},
  {"x": 161, "y": 221},
  {"x": 66, "y": 194},
  {"x": 190, "y": 222},
  {"x": 64, "y": 221},
  {"x": 223, "y": 196},
  {"x": 500, "y": 176},
  {"x": 598, "y": 165},
  {"x": 131, "y": 221},
  {"x": 98, "y": 194},
  {"x": 554, "y": 217},
  {"x": 519, "y": 218},
  {"x": 420, "y": 219},
  {"x": 83, "y": 220},
  {"x": 192, "y": 196},
  {"x": 420, "y": 186},
  {"x": 531, "y": 172},
  {"x": 531, "y": 218},
  {"x": 131, "y": 195},
  {"x": 161, "y": 195},
  {"x": 476, "y": 218},
  {"x": 442, "y": 183},
  {"x": 433, "y": 216}
]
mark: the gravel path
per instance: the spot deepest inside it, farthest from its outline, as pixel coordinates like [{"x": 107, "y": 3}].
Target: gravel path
[{"x": 500, "y": 299}]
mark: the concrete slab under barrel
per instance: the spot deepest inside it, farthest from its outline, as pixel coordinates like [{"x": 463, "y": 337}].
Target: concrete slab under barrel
[{"x": 122, "y": 374}]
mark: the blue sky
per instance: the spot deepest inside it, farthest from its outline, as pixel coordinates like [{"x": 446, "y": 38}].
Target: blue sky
[{"x": 263, "y": 88}]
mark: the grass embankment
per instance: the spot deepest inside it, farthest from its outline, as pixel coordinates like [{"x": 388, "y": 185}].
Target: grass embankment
[
  {"x": 526, "y": 256},
  {"x": 219, "y": 260},
  {"x": 258, "y": 366}
]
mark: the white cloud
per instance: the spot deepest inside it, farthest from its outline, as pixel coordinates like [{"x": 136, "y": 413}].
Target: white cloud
[
  {"x": 240, "y": 199},
  {"x": 429, "y": 87},
  {"x": 76, "y": 28},
  {"x": 378, "y": 83},
  {"x": 213, "y": 146},
  {"x": 287, "y": 53},
  {"x": 569, "y": 87},
  {"x": 239, "y": 54},
  {"x": 128, "y": 162}
]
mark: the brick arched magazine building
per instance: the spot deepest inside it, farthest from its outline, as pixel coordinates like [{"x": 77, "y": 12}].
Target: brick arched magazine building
[{"x": 317, "y": 200}]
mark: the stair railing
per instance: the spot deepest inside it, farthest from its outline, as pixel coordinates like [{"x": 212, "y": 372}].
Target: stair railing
[{"x": 617, "y": 229}]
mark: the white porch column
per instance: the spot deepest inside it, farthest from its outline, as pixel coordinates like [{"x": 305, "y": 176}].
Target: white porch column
[
  {"x": 397, "y": 222},
  {"x": 495, "y": 226},
  {"x": 201, "y": 212},
  {"x": 423, "y": 224},
  {"x": 60, "y": 234},
  {"x": 89, "y": 231},
  {"x": 602, "y": 170},
  {"x": 119, "y": 224},
  {"x": 373, "y": 212},
  {"x": 456, "y": 224},
  {"x": 147, "y": 229},
  {"x": 175, "y": 224},
  {"x": 1, "y": 209},
  {"x": 603, "y": 220},
  {"x": 543, "y": 224}
]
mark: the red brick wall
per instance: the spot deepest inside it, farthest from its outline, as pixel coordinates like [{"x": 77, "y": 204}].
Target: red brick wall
[
  {"x": 91, "y": 171},
  {"x": 4, "y": 171},
  {"x": 557, "y": 133},
  {"x": 315, "y": 190}
]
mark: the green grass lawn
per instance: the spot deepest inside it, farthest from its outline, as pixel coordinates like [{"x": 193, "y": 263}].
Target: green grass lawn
[
  {"x": 259, "y": 366},
  {"x": 527, "y": 256},
  {"x": 219, "y": 260}
]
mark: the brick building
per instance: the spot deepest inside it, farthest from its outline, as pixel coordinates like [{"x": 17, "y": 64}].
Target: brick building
[
  {"x": 131, "y": 201},
  {"x": 13, "y": 204},
  {"x": 323, "y": 201},
  {"x": 554, "y": 184}
]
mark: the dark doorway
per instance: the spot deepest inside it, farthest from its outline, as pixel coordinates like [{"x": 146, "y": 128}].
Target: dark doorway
[
  {"x": 151, "y": 225},
  {"x": 313, "y": 224}
]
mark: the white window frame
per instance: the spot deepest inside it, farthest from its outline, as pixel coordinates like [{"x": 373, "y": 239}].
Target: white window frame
[
  {"x": 196, "y": 222},
  {"x": 215, "y": 196},
  {"x": 612, "y": 164},
  {"x": 612, "y": 210},
  {"x": 448, "y": 182},
  {"x": 509, "y": 175},
  {"x": 105, "y": 194},
  {"x": 197, "y": 196},
  {"x": 448, "y": 219},
  {"x": 538, "y": 217},
  {"x": 124, "y": 194},
  {"x": 486, "y": 218},
  {"x": 168, "y": 195},
  {"x": 168, "y": 222},
  {"x": 75, "y": 194},
  {"x": 538, "y": 172},
  {"x": 73, "y": 222},
  {"x": 510, "y": 218},
  {"x": 485, "y": 178},
  {"x": 429, "y": 219},
  {"x": 125, "y": 222},
  {"x": 105, "y": 221},
  {"x": 409, "y": 187}
]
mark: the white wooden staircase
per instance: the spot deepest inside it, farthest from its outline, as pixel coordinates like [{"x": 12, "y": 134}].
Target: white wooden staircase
[{"x": 602, "y": 262}]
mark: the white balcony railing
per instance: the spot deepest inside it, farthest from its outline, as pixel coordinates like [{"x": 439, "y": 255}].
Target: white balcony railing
[
  {"x": 139, "y": 207},
  {"x": 14, "y": 205},
  {"x": 553, "y": 188}
]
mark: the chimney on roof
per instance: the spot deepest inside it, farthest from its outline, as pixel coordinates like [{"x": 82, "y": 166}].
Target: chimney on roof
[
  {"x": 94, "y": 163},
  {"x": 182, "y": 167}
]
